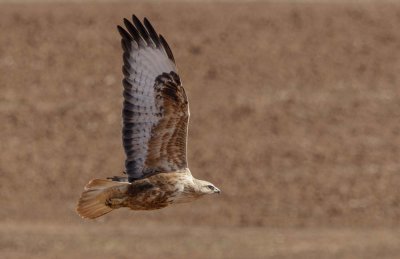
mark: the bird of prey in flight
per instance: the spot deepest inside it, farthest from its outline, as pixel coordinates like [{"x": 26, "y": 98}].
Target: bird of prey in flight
[{"x": 155, "y": 126}]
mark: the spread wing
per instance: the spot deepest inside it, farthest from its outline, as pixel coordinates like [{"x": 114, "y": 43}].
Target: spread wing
[{"x": 155, "y": 110}]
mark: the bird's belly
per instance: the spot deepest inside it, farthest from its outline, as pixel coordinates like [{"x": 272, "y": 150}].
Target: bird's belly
[{"x": 150, "y": 200}]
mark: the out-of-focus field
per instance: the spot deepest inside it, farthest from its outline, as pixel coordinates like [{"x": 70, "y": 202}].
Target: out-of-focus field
[{"x": 294, "y": 114}]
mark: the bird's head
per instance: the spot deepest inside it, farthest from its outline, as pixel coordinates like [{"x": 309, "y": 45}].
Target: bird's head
[{"x": 205, "y": 187}]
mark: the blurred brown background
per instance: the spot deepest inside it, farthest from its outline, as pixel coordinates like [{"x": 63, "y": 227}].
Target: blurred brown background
[{"x": 295, "y": 111}]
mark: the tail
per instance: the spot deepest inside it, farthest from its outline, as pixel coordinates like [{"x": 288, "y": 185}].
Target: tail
[{"x": 95, "y": 199}]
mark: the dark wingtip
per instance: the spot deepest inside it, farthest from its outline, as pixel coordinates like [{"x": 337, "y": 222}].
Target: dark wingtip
[
  {"x": 124, "y": 33},
  {"x": 152, "y": 32},
  {"x": 143, "y": 34},
  {"x": 134, "y": 18},
  {"x": 125, "y": 45},
  {"x": 167, "y": 48},
  {"x": 126, "y": 22},
  {"x": 142, "y": 30}
]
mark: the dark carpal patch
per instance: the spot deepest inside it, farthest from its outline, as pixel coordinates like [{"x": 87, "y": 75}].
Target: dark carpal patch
[{"x": 169, "y": 84}]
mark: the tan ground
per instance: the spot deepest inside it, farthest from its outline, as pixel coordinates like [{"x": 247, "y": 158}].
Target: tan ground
[{"x": 295, "y": 116}]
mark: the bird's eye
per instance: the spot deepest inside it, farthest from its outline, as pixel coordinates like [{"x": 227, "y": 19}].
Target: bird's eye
[{"x": 211, "y": 187}]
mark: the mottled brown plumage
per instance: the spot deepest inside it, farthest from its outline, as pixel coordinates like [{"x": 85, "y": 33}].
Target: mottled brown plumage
[{"x": 155, "y": 125}]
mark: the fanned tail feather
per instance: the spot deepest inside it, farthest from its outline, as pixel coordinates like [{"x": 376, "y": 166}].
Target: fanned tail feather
[{"x": 93, "y": 201}]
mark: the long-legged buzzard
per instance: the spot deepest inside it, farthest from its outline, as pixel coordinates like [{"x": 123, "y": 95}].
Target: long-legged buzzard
[{"x": 155, "y": 124}]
